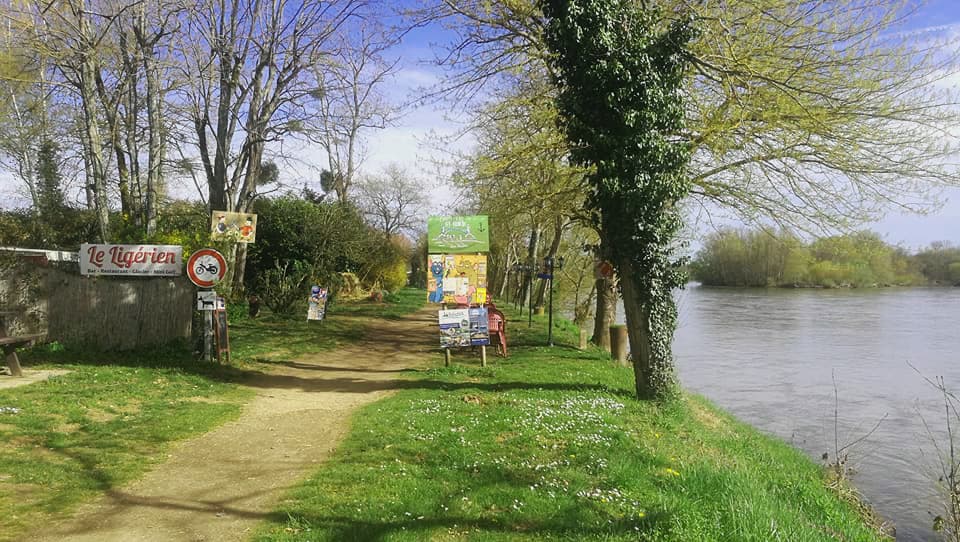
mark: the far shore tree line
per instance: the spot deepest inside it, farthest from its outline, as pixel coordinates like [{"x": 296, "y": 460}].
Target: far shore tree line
[{"x": 761, "y": 257}]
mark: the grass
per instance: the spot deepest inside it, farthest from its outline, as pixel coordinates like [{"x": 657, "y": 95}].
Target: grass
[
  {"x": 550, "y": 445},
  {"x": 276, "y": 337},
  {"x": 75, "y": 436}
]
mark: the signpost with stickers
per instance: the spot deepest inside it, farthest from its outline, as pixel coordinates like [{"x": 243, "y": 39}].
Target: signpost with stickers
[
  {"x": 205, "y": 268},
  {"x": 457, "y": 280}
]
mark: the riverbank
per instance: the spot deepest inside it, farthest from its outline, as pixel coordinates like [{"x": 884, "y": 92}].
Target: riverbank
[{"x": 548, "y": 445}]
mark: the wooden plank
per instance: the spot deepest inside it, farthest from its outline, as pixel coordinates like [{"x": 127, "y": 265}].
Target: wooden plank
[{"x": 19, "y": 341}]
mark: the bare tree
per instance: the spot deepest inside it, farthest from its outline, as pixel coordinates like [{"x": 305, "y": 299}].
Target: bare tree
[
  {"x": 351, "y": 101},
  {"x": 393, "y": 201},
  {"x": 248, "y": 71}
]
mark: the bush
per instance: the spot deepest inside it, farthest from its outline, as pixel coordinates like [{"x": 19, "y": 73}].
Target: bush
[
  {"x": 954, "y": 272},
  {"x": 329, "y": 237},
  {"x": 395, "y": 276},
  {"x": 283, "y": 287}
]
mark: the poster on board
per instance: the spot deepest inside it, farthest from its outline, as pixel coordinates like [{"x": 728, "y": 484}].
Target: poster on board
[
  {"x": 238, "y": 227},
  {"x": 458, "y": 234},
  {"x": 457, "y": 279},
  {"x": 454, "y": 328},
  {"x": 479, "y": 326},
  {"x": 317, "y": 304},
  {"x": 464, "y": 327}
]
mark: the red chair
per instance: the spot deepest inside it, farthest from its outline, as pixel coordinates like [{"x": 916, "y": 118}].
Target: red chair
[{"x": 497, "y": 323}]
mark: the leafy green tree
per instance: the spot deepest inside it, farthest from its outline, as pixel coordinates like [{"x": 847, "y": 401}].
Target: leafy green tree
[
  {"x": 813, "y": 115},
  {"x": 936, "y": 260},
  {"x": 818, "y": 115},
  {"x": 954, "y": 271},
  {"x": 619, "y": 74},
  {"x": 519, "y": 176},
  {"x": 299, "y": 240}
]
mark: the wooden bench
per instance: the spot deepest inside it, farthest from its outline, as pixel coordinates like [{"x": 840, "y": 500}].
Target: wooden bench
[{"x": 10, "y": 345}]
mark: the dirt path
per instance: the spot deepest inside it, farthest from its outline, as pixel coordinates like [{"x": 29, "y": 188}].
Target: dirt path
[{"x": 220, "y": 485}]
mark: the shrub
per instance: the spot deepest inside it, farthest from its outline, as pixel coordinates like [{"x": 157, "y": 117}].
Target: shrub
[
  {"x": 282, "y": 287},
  {"x": 330, "y": 237}
]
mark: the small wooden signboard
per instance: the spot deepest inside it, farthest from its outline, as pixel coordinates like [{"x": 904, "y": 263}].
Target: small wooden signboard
[{"x": 220, "y": 335}]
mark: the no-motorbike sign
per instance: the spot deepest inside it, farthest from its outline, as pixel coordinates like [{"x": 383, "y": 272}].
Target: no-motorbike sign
[{"x": 206, "y": 267}]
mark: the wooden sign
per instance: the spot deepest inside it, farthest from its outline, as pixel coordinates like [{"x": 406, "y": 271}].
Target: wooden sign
[{"x": 131, "y": 260}]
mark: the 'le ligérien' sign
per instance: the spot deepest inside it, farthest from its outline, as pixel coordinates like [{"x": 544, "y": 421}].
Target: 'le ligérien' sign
[{"x": 131, "y": 260}]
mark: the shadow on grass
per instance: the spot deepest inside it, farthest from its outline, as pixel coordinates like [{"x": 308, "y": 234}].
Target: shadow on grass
[{"x": 569, "y": 523}]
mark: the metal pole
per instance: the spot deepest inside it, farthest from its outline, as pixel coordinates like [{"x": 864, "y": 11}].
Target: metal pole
[
  {"x": 530, "y": 299},
  {"x": 550, "y": 317}
]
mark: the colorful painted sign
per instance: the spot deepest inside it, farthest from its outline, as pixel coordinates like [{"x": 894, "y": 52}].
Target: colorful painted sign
[
  {"x": 131, "y": 260},
  {"x": 457, "y": 278},
  {"x": 317, "y": 306},
  {"x": 206, "y": 267},
  {"x": 464, "y": 327},
  {"x": 458, "y": 234},
  {"x": 238, "y": 227}
]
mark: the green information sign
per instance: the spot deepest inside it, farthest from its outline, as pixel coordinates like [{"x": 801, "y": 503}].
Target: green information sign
[{"x": 458, "y": 234}]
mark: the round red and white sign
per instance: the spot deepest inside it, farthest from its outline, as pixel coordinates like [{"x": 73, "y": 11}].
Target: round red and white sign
[{"x": 206, "y": 267}]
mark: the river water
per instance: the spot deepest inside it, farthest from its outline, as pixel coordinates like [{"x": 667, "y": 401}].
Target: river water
[{"x": 770, "y": 356}]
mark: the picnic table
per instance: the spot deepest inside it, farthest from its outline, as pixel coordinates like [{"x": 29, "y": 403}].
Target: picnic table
[{"x": 10, "y": 344}]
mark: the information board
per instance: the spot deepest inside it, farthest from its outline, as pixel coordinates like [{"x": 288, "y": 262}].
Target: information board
[{"x": 464, "y": 327}]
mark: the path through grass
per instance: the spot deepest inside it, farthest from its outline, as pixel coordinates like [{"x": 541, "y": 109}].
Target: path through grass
[{"x": 550, "y": 445}]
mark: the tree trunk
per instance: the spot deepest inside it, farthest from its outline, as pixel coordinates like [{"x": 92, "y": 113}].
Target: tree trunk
[
  {"x": 94, "y": 152},
  {"x": 131, "y": 113},
  {"x": 532, "y": 248},
  {"x": 154, "y": 131},
  {"x": 606, "y": 313},
  {"x": 654, "y": 373}
]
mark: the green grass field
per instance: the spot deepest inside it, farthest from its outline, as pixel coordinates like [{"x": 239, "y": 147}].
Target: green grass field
[
  {"x": 550, "y": 445},
  {"x": 107, "y": 421}
]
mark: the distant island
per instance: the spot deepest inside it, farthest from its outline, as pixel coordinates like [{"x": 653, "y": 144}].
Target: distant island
[{"x": 780, "y": 258}]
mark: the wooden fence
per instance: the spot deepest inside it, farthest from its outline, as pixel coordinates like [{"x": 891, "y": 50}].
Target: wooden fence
[{"x": 105, "y": 313}]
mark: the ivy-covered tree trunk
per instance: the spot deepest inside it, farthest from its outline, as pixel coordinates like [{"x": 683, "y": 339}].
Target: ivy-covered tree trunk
[{"x": 619, "y": 67}]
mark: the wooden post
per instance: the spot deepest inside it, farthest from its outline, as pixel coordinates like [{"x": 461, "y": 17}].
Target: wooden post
[
  {"x": 208, "y": 336},
  {"x": 483, "y": 355},
  {"x": 10, "y": 351},
  {"x": 446, "y": 357},
  {"x": 13, "y": 363},
  {"x": 583, "y": 339},
  {"x": 618, "y": 343}
]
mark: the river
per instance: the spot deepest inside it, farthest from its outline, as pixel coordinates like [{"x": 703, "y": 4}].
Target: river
[{"x": 770, "y": 357}]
